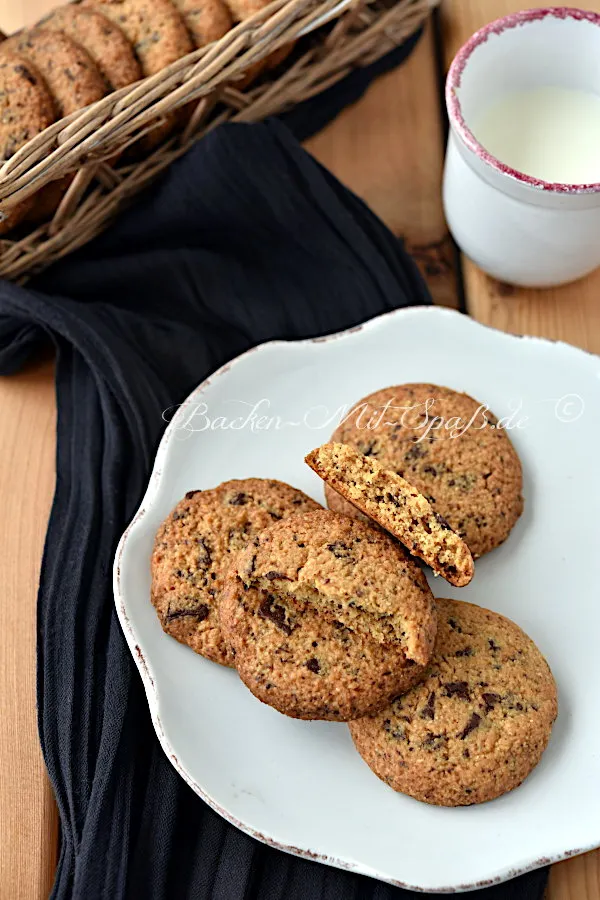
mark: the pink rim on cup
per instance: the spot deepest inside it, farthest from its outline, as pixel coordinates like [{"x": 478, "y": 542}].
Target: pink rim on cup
[{"x": 516, "y": 227}]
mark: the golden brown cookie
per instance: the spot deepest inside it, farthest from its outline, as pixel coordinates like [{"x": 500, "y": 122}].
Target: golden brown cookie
[
  {"x": 101, "y": 38},
  {"x": 194, "y": 547},
  {"x": 243, "y": 9},
  {"x": 446, "y": 445},
  {"x": 477, "y": 725},
  {"x": 153, "y": 27},
  {"x": 69, "y": 72},
  {"x": 206, "y": 20},
  {"x": 395, "y": 505},
  {"x": 26, "y": 109},
  {"x": 307, "y": 665},
  {"x": 349, "y": 572}
]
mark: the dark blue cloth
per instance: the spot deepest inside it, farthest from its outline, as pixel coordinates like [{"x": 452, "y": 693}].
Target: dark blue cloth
[{"x": 221, "y": 255}]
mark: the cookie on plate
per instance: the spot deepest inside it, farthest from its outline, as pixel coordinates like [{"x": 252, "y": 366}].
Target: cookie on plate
[
  {"x": 101, "y": 38},
  {"x": 479, "y": 722},
  {"x": 351, "y": 573},
  {"x": 26, "y": 110},
  {"x": 194, "y": 547},
  {"x": 206, "y": 20},
  {"x": 154, "y": 28},
  {"x": 447, "y": 445},
  {"x": 69, "y": 72},
  {"x": 394, "y": 504},
  {"x": 305, "y": 664}
]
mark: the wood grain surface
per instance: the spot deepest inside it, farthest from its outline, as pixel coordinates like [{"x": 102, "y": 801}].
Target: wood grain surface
[
  {"x": 29, "y": 830},
  {"x": 388, "y": 148}
]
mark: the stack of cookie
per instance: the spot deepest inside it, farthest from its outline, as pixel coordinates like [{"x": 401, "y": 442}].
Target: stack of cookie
[
  {"x": 327, "y": 614},
  {"x": 83, "y": 51}
]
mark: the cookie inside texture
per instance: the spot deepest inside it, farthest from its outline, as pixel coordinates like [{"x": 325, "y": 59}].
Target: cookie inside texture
[
  {"x": 351, "y": 573},
  {"x": 478, "y": 723},
  {"x": 450, "y": 447},
  {"x": 397, "y": 506},
  {"x": 305, "y": 664}
]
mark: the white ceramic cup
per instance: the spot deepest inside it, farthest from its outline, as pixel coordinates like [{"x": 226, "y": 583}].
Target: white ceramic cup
[{"x": 517, "y": 228}]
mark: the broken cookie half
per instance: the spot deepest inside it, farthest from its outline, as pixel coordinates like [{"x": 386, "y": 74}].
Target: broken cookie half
[
  {"x": 395, "y": 505},
  {"x": 327, "y": 617}
]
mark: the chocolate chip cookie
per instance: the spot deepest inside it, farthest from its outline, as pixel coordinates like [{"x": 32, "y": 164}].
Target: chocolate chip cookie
[
  {"x": 449, "y": 447},
  {"x": 305, "y": 664},
  {"x": 206, "y": 20},
  {"x": 394, "y": 504},
  {"x": 194, "y": 548},
  {"x": 105, "y": 43},
  {"x": 153, "y": 27},
  {"x": 69, "y": 72},
  {"x": 351, "y": 573},
  {"x": 26, "y": 108},
  {"x": 479, "y": 722}
]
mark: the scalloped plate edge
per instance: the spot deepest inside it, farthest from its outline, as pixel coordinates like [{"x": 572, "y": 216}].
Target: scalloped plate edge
[{"x": 434, "y": 312}]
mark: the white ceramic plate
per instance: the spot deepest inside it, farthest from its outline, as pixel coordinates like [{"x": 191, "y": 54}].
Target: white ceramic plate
[{"x": 300, "y": 785}]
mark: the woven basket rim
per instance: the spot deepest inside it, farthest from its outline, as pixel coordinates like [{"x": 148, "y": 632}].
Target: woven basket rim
[
  {"x": 243, "y": 45},
  {"x": 90, "y": 144}
]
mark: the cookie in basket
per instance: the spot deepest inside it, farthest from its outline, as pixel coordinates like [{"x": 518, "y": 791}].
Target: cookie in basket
[
  {"x": 307, "y": 665},
  {"x": 101, "y": 38},
  {"x": 477, "y": 725},
  {"x": 69, "y": 72},
  {"x": 327, "y": 617},
  {"x": 27, "y": 109},
  {"x": 395, "y": 505},
  {"x": 194, "y": 547},
  {"x": 159, "y": 37},
  {"x": 206, "y": 20},
  {"x": 154, "y": 28},
  {"x": 74, "y": 82},
  {"x": 447, "y": 445}
]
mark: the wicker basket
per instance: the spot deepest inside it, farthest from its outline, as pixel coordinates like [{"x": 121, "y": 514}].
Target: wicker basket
[{"x": 88, "y": 141}]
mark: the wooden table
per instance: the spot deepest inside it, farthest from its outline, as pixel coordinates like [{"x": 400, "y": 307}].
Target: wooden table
[{"x": 389, "y": 149}]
